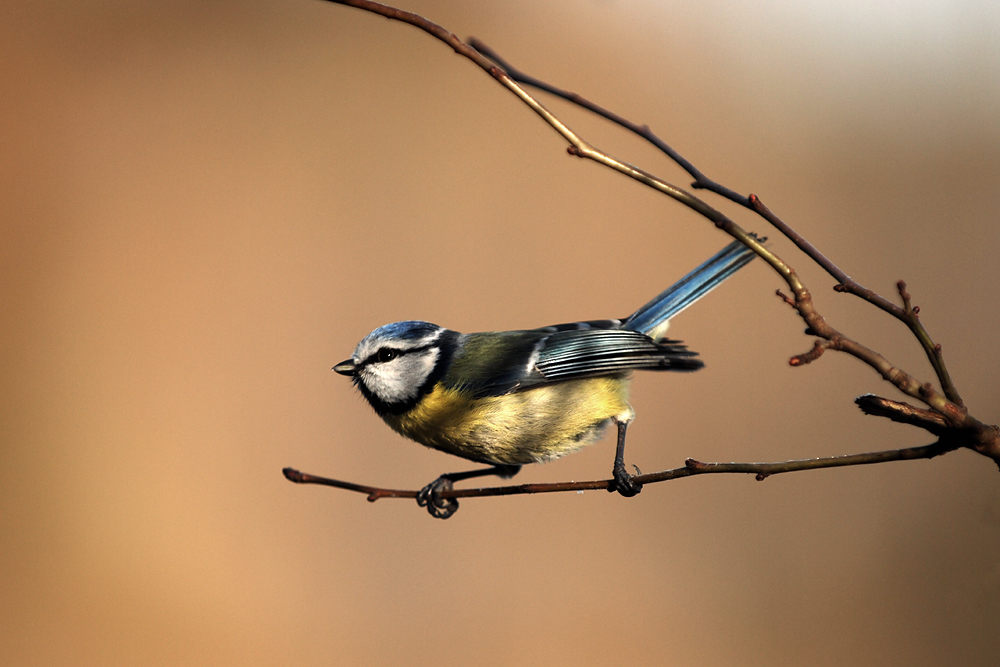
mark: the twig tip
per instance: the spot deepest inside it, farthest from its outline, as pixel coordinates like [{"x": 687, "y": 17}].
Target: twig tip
[
  {"x": 784, "y": 297},
  {"x": 819, "y": 347}
]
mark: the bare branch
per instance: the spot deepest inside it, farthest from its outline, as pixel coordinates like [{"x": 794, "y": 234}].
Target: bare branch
[
  {"x": 374, "y": 493},
  {"x": 904, "y": 413},
  {"x": 700, "y": 180},
  {"x": 691, "y": 468},
  {"x": 933, "y": 351},
  {"x": 819, "y": 347}
]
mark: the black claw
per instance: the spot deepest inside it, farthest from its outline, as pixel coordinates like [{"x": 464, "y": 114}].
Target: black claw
[
  {"x": 624, "y": 483},
  {"x": 430, "y": 497}
]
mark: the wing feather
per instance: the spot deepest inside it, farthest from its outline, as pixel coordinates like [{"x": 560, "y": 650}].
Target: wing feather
[
  {"x": 591, "y": 352},
  {"x": 498, "y": 363}
]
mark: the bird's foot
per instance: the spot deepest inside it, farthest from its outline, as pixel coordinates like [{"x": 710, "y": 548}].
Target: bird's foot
[
  {"x": 624, "y": 483},
  {"x": 430, "y": 497}
]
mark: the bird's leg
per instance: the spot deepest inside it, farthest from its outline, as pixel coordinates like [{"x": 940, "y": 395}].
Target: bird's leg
[
  {"x": 623, "y": 481},
  {"x": 442, "y": 508}
]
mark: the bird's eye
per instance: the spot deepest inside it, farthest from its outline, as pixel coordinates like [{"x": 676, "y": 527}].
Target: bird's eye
[{"x": 386, "y": 354}]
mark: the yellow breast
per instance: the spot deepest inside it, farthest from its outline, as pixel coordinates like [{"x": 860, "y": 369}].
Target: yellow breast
[{"x": 529, "y": 426}]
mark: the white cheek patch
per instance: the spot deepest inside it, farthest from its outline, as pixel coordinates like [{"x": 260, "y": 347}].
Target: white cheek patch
[{"x": 399, "y": 380}]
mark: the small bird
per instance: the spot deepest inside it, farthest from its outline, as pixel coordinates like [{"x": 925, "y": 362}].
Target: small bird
[{"x": 507, "y": 398}]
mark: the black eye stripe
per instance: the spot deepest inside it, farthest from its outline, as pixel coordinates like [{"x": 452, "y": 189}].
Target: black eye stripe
[{"x": 384, "y": 354}]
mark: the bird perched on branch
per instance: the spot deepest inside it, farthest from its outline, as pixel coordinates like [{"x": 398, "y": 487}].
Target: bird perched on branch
[{"x": 507, "y": 398}]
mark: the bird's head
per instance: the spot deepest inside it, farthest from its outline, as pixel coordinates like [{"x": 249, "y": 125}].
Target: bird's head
[{"x": 396, "y": 364}]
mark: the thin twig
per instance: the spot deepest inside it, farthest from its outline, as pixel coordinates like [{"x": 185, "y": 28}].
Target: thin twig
[
  {"x": 903, "y": 413},
  {"x": 690, "y": 468},
  {"x": 932, "y": 349},
  {"x": 700, "y": 180},
  {"x": 846, "y": 284}
]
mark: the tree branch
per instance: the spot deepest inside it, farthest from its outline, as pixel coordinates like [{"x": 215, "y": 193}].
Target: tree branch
[
  {"x": 700, "y": 180},
  {"x": 903, "y": 413},
  {"x": 691, "y": 468}
]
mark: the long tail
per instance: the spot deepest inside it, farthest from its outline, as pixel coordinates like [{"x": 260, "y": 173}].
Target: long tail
[{"x": 652, "y": 319}]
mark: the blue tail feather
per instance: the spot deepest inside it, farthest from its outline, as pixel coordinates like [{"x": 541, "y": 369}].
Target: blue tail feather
[{"x": 690, "y": 288}]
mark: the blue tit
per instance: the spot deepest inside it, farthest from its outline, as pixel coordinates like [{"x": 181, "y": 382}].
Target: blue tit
[{"x": 507, "y": 398}]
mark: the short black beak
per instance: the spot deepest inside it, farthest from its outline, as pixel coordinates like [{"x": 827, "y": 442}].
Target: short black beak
[{"x": 346, "y": 367}]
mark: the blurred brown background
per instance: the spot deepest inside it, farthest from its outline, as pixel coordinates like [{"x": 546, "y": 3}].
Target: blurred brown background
[{"x": 205, "y": 205}]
